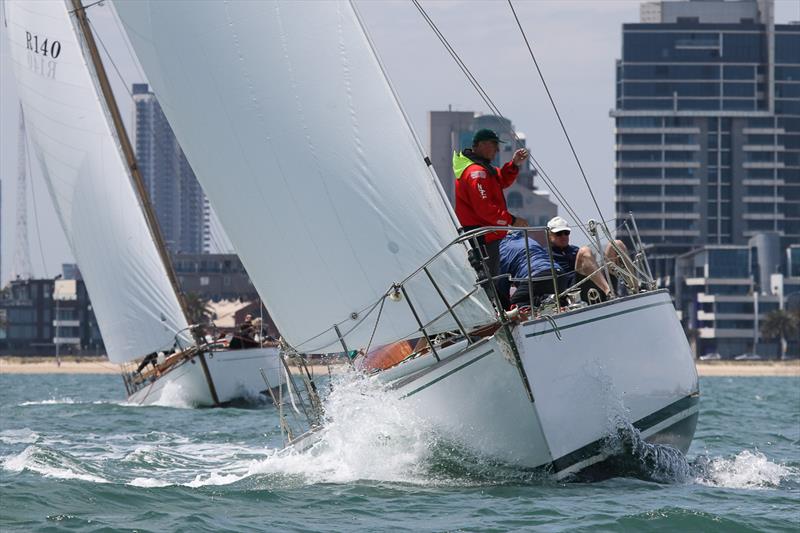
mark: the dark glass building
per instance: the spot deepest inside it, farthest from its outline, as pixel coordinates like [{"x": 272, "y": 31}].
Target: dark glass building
[
  {"x": 176, "y": 196},
  {"x": 708, "y": 126}
]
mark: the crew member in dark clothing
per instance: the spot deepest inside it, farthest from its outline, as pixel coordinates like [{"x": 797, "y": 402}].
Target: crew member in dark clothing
[
  {"x": 148, "y": 359},
  {"x": 479, "y": 194},
  {"x": 244, "y": 336},
  {"x": 514, "y": 261},
  {"x": 571, "y": 263}
]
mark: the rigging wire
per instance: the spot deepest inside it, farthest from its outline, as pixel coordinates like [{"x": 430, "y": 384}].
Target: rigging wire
[
  {"x": 35, "y": 210},
  {"x": 111, "y": 59},
  {"x": 118, "y": 24},
  {"x": 493, "y": 107},
  {"x": 555, "y": 108}
]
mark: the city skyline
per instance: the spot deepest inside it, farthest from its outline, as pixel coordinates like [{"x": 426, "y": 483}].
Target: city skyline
[
  {"x": 707, "y": 127},
  {"x": 411, "y": 53}
]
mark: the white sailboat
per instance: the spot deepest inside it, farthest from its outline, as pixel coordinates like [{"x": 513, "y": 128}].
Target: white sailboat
[
  {"x": 296, "y": 111},
  {"x": 90, "y": 170}
]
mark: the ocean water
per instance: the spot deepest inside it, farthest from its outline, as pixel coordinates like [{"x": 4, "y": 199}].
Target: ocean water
[{"x": 75, "y": 457}]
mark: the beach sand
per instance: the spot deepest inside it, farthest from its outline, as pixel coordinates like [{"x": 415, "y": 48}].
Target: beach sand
[{"x": 101, "y": 365}]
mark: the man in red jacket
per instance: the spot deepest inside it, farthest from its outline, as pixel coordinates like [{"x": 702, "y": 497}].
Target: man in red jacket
[{"x": 479, "y": 194}]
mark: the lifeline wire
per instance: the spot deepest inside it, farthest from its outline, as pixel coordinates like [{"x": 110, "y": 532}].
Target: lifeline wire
[
  {"x": 474, "y": 82},
  {"x": 555, "y": 108}
]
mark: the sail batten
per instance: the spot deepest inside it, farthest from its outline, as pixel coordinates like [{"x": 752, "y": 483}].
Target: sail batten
[
  {"x": 80, "y": 157},
  {"x": 306, "y": 156}
]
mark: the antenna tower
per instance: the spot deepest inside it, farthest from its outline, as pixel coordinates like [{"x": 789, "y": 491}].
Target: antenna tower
[{"x": 22, "y": 252}]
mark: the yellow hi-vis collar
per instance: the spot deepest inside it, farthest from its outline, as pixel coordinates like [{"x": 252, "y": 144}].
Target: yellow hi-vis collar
[{"x": 460, "y": 163}]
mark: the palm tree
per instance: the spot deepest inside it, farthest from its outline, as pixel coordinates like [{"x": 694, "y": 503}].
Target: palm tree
[
  {"x": 197, "y": 308},
  {"x": 780, "y": 324}
]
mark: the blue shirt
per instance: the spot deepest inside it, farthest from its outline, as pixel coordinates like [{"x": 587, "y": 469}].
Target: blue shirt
[
  {"x": 514, "y": 261},
  {"x": 565, "y": 257}
]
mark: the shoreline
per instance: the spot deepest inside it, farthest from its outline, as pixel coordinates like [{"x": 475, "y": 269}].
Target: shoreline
[{"x": 101, "y": 365}]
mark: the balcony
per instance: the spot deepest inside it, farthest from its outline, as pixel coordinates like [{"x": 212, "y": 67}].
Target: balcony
[
  {"x": 669, "y": 232},
  {"x": 763, "y": 216},
  {"x": 762, "y": 131},
  {"x": 718, "y": 281},
  {"x": 763, "y": 148},
  {"x": 719, "y": 333},
  {"x": 658, "y": 147},
  {"x": 764, "y": 199},
  {"x": 711, "y": 316},
  {"x": 764, "y": 164},
  {"x": 66, "y": 323},
  {"x": 66, "y": 340},
  {"x": 665, "y": 164},
  {"x": 751, "y": 181}
]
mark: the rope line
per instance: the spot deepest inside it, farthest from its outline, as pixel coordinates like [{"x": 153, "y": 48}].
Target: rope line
[
  {"x": 555, "y": 108},
  {"x": 489, "y": 102}
]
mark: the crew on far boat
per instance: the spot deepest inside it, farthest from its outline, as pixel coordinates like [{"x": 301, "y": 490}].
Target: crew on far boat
[
  {"x": 244, "y": 336},
  {"x": 479, "y": 196},
  {"x": 149, "y": 359},
  {"x": 571, "y": 264}
]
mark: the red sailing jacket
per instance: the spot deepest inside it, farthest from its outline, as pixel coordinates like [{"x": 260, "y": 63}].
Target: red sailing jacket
[{"x": 479, "y": 193}]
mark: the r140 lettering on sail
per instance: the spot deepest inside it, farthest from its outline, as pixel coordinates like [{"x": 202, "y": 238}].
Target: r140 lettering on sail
[{"x": 33, "y": 44}]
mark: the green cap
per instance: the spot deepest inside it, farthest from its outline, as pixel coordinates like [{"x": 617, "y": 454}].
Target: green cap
[{"x": 485, "y": 135}]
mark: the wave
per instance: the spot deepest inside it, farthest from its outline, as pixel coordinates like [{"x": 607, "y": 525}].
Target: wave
[
  {"x": 18, "y": 436},
  {"x": 50, "y": 463},
  {"x": 746, "y": 470},
  {"x": 51, "y": 401}
]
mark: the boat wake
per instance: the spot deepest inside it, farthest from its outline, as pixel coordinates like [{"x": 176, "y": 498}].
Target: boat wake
[
  {"x": 632, "y": 456},
  {"x": 746, "y": 470},
  {"x": 368, "y": 435}
]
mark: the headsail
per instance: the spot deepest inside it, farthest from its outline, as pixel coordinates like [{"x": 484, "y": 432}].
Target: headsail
[
  {"x": 292, "y": 128},
  {"x": 78, "y": 152}
]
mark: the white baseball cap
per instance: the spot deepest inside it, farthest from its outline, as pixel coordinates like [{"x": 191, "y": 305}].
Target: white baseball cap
[{"x": 557, "y": 224}]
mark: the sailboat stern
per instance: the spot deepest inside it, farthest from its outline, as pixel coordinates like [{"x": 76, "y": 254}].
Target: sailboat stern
[{"x": 608, "y": 370}]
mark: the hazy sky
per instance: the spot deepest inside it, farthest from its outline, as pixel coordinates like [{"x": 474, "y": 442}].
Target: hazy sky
[{"x": 576, "y": 43}]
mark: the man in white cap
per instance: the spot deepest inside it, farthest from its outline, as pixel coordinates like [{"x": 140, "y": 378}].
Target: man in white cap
[{"x": 576, "y": 261}]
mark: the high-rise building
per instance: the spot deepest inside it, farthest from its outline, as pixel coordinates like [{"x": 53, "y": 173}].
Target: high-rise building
[
  {"x": 452, "y": 131},
  {"x": 723, "y": 297},
  {"x": 176, "y": 196},
  {"x": 708, "y": 126}
]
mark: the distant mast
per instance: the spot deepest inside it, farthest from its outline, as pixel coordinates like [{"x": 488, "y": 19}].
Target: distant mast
[
  {"x": 127, "y": 150},
  {"x": 22, "y": 252}
]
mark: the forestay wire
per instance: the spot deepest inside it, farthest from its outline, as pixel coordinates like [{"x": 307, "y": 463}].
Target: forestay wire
[
  {"x": 490, "y": 103},
  {"x": 555, "y": 108}
]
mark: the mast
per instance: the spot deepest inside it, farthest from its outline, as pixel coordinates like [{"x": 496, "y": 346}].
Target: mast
[{"x": 127, "y": 150}]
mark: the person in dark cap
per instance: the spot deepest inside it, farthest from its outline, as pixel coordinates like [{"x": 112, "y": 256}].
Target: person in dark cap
[{"x": 479, "y": 195}]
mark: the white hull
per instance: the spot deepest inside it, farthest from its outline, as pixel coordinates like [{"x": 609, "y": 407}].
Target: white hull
[
  {"x": 234, "y": 375},
  {"x": 628, "y": 358}
]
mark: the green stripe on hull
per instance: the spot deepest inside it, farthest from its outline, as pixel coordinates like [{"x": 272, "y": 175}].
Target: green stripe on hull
[
  {"x": 446, "y": 374},
  {"x": 581, "y": 323}
]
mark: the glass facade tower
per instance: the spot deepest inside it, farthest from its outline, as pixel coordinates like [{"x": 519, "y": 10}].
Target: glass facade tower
[
  {"x": 175, "y": 193},
  {"x": 708, "y": 126}
]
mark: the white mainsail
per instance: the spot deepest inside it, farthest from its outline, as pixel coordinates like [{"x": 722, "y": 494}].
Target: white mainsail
[
  {"x": 78, "y": 152},
  {"x": 286, "y": 116}
]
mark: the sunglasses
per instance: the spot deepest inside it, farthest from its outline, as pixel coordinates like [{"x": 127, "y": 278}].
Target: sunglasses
[{"x": 560, "y": 233}]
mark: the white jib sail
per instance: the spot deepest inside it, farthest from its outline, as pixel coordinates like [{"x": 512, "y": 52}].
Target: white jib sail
[
  {"x": 292, "y": 128},
  {"x": 79, "y": 155}
]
